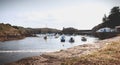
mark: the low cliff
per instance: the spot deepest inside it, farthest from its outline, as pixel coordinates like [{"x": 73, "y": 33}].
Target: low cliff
[{"x": 8, "y": 32}]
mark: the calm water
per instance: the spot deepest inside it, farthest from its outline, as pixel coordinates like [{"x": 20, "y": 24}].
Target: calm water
[{"x": 34, "y": 46}]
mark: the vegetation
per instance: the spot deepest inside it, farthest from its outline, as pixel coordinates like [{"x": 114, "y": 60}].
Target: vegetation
[
  {"x": 69, "y": 30},
  {"x": 7, "y": 29},
  {"x": 49, "y": 30},
  {"x": 108, "y": 55},
  {"x": 111, "y": 21},
  {"x": 9, "y": 32}
]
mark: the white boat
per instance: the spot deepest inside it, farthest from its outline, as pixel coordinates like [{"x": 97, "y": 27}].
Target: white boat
[
  {"x": 57, "y": 36},
  {"x": 63, "y": 38}
]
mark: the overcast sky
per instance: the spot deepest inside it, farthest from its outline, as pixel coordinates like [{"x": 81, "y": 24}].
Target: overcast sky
[{"x": 80, "y": 14}]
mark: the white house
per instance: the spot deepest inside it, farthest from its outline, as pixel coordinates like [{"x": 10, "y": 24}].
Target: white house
[
  {"x": 117, "y": 28},
  {"x": 106, "y": 29}
]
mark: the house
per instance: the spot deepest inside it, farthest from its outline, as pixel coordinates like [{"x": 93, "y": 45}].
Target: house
[
  {"x": 117, "y": 28},
  {"x": 106, "y": 29},
  {"x": 106, "y": 32}
]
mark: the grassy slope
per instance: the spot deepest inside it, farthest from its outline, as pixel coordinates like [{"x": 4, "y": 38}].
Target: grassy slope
[
  {"x": 7, "y": 29},
  {"x": 8, "y": 32},
  {"x": 109, "y": 55}
]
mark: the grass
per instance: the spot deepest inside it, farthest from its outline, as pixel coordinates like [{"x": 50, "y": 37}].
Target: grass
[
  {"x": 109, "y": 55},
  {"x": 4, "y": 27}
]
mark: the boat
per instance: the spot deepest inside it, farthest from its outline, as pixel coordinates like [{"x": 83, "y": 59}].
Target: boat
[
  {"x": 71, "y": 40},
  {"x": 83, "y": 39},
  {"x": 45, "y": 37},
  {"x": 63, "y": 39},
  {"x": 57, "y": 36}
]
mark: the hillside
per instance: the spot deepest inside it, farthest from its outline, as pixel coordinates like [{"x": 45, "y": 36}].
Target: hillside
[
  {"x": 8, "y": 32},
  {"x": 44, "y": 30},
  {"x": 111, "y": 21},
  {"x": 69, "y": 30}
]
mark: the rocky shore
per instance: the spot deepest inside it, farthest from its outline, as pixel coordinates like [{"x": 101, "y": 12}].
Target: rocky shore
[{"x": 59, "y": 57}]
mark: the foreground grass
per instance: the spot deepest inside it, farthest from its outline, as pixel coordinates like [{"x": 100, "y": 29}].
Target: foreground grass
[{"x": 109, "y": 55}]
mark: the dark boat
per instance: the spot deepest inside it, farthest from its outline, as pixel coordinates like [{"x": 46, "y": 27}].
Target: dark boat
[
  {"x": 45, "y": 37},
  {"x": 63, "y": 39},
  {"x": 71, "y": 40},
  {"x": 84, "y": 39}
]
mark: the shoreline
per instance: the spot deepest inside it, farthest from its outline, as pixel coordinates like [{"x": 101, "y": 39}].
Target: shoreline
[
  {"x": 56, "y": 58},
  {"x": 9, "y": 38},
  {"x": 2, "y": 39}
]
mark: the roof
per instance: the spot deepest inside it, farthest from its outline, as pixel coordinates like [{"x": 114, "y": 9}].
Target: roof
[{"x": 117, "y": 26}]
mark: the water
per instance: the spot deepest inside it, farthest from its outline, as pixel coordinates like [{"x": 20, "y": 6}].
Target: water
[{"x": 33, "y": 46}]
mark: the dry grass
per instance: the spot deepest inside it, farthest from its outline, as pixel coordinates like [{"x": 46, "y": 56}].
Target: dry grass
[{"x": 109, "y": 55}]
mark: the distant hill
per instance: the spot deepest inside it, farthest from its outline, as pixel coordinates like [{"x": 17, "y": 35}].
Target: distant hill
[
  {"x": 69, "y": 30},
  {"x": 44, "y": 30}
]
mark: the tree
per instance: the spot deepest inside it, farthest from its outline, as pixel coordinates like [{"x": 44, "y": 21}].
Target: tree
[
  {"x": 115, "y": 10},
  {"x": 111, "y": 21},
  {"x": 104, "y": 18},
  {"x": 114, "y": 17}
]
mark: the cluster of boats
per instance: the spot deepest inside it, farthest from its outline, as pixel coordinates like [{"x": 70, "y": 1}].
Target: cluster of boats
[
  {"x": 71, "y": 40},
  {"x": 46, "y": 36}
]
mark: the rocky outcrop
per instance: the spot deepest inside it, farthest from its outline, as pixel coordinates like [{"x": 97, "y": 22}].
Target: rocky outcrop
[
  {"x": 69, "y": 30},
  {"x": 8, "y": 32}
]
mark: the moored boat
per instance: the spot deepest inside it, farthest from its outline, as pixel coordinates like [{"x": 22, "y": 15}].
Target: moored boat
[
  {"x": 71, "y": 40},
  {"x": 83, "y": 39},
  {"x": 62, "y": 38},
  {"x": 45, "y": 37}
]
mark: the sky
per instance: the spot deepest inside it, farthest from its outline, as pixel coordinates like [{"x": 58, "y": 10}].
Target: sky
[{"x": 80, "y": 14}]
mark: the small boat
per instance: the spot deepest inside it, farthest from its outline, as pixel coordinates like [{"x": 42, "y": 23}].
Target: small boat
[
  {"x": 71, "y": 40},
  {"x": 84, "y": 39},
  {"x": 45, "y": 37},
  {"x": 63, "y": 39},
  {"x": 57, "y": 36}
]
